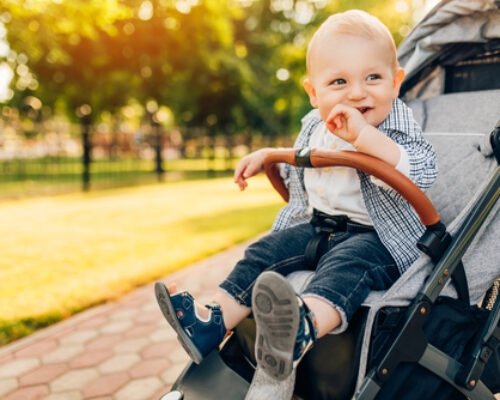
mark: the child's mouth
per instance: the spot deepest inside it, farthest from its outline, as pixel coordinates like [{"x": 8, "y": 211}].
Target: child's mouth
[{"x": 363, "y": 110}]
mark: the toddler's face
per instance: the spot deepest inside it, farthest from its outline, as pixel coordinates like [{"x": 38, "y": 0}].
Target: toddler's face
[{"x": 353, "y": 71}]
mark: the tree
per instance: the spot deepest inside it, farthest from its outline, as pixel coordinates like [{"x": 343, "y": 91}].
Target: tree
[{"x": 224, "y": 65}]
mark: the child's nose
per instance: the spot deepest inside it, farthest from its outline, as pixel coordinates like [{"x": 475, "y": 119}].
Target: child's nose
[{"x": 357, "y": 91}]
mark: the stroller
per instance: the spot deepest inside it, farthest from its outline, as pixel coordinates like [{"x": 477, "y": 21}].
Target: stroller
[{"x": 435, "y": 334}]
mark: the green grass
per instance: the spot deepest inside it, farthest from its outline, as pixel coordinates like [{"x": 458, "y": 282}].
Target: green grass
[
  {"x": 63, "y": 254},
  {"x": 52, "y": 175}
]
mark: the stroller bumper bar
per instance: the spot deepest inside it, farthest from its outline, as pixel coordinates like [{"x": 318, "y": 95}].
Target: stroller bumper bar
[{"x": 307, "y": 157}]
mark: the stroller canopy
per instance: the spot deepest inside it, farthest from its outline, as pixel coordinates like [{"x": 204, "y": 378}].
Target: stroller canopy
[{"x": 455, "y": 48}]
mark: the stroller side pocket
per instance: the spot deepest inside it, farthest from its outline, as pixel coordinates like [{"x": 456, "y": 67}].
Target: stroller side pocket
[{"x": 451, "y": 327}]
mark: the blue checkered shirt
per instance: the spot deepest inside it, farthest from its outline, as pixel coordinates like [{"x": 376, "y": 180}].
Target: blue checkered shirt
[{"x": 395, "y": 221}]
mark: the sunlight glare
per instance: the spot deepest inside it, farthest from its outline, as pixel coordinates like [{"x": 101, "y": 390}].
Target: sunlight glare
[{"x": 6, "y": 76}]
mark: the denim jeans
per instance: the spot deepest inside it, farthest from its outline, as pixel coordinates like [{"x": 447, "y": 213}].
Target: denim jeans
[{"x": 349, "y": 267}]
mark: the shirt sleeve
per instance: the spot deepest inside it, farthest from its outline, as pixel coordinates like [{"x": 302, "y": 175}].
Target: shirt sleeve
[
  {"x": 403, "y": 166},
  {"x": 401, "y": 127}
]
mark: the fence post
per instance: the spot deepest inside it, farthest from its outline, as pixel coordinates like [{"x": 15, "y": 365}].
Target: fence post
[
  {"x": 87, "y": 147},
  {"x": 158, "y": 142}
]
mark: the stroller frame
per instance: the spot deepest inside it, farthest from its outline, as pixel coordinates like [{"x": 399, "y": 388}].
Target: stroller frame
[{"x": 411, "y": 344}]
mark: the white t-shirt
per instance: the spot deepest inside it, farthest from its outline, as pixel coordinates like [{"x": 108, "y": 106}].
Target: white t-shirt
[{"x": 336, "y": 190}]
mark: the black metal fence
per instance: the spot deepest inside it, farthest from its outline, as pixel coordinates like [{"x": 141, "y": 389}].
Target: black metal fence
[{"x": 47, "y": 164}]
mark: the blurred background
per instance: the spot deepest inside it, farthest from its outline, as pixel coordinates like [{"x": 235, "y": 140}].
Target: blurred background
[
  {"x": 121, "y": 122},
  {"x": 100, "y": 93}
]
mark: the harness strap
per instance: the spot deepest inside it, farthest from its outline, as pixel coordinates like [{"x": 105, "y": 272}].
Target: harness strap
[
  {"x": 311, "y": 256},
  {"x": 326, "y": 225},
  {"x": 459, "y": 280}
]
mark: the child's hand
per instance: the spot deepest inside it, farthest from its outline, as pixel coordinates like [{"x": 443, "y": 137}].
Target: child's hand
[
  {"x": 345, "y": 122},
  {"x": 249, "y": 166}
]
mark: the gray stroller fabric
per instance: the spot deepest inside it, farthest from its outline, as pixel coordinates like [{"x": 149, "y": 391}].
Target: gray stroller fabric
[
  {"x": 464, "y": 112},
  {"x": 451, "y": 21},
  {"x": 464, "y": 171}
]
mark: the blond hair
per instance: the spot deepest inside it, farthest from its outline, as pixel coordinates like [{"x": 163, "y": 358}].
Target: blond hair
[{"x": 355, "y": 23}]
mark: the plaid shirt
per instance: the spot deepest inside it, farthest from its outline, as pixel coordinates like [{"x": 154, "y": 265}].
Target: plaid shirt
[{"x": 395, "y": 221}]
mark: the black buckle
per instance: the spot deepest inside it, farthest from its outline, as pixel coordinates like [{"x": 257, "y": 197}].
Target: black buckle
[
  {"x": 303, "y": 157},
  {"x": 329, "y": 223}
]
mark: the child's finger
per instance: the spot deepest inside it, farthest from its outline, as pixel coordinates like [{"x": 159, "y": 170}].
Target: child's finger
[
  {"x": 241, "y": 183},
  {"x": 240, "y": 168},
  {"x": 338, "y": 121}
]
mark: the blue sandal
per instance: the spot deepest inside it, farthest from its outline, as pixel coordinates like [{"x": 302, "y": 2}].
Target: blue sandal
[{"x": 198, "y": 337}]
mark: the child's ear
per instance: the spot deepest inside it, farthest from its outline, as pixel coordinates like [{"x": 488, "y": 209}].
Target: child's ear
[
  {"x": 398, "y": 80},
  {"x": 311, "y": 92}
]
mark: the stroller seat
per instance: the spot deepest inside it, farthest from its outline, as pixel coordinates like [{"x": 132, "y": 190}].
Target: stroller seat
[{"x": 466, "y": 173}]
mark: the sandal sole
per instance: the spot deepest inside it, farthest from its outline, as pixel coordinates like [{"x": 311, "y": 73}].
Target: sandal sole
[
  {"x": 277, "y": 316},
  {"x": 166, "y": 307}
]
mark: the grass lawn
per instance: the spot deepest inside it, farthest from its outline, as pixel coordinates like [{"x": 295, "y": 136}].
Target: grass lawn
[
  {"x": 64, "y": 253},
  {"x": 51, "y": 175}
]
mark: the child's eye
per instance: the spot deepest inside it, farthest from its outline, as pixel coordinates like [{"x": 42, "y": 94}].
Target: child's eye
[
  {"x": 339, "y": 81},
  {"x": 373, "y": 77}
]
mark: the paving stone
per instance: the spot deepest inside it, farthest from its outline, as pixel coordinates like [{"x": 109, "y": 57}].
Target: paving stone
[
  {"x": 116, "y": 326},
  {"x": 138, "y": 298},
  {"x": 5, "y": 358},
  {"x": 163, "y": 335},
  {"x": 124, "y": 350},
  {"x": 8, "y": 385},
  {"x": 153, "y": 367},
  {"x": 72, "y": 395},
  {"x": 140, "y": 331},
  {"x": 19, "y": 367},
  {"x": 63, "y": 353},
  {"x": 103, "y": 398},
  {"x": 104, "y": 342},
  {"x": 94, "y": 322},
  {"x": 141, "y": 389},
  {"x": 150, "y": 306},
  {"x": 126, "y": 314},
  {"x": 179, "y": 355},
  {"x": 79, "y": 337},
  {"x": 73, "y": 380},
  {"x": 159, "y": 350},
  {"x": 105, "y": 385},
  {"x": 44, "y": 374},
  {"x": 62, "y": 332},
  {"x": 171, "y": 374},
  {"x": 149, "y": 316},
  {"x": 29, "y": 393},
  {"x": 120, "y": 362},
  {"x": 131, "y": 345},
  {"x": 37, "y": 348},
  {"x": 90, "y": 358}
]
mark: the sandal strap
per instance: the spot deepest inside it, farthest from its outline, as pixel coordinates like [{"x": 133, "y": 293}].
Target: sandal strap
[
  {"x": 311, "y": 321},
  {"x": 216, "y": 310}
]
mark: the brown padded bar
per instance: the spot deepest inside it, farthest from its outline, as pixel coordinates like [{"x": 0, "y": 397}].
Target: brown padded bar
[{"x": 363, "y": 162}]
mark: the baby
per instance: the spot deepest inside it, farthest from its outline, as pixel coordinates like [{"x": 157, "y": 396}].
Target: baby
[{"x": 353, "y": 80}]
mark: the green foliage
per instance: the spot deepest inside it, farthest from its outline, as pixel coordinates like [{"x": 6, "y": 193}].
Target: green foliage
[
  {"x": 226, "y": 66},
  {"x": 13, "y": 330}
]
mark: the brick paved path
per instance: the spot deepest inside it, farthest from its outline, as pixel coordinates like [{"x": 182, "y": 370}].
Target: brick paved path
[{"x": 123, "y": 350}]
